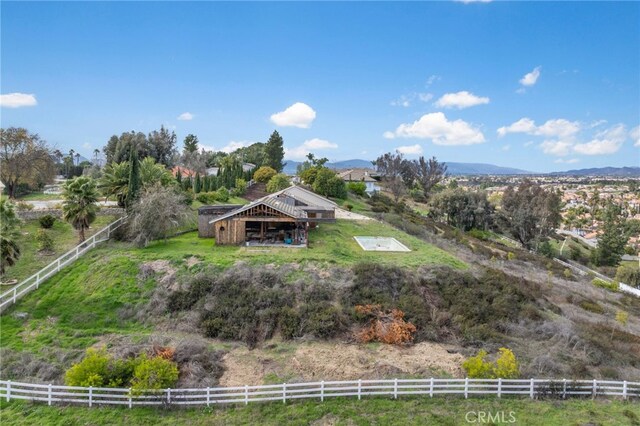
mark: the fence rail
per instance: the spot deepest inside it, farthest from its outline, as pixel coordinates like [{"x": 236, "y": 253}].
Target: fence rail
[
  {"x": 33, "y": 282},
  {"x": 530, "y": 388}
]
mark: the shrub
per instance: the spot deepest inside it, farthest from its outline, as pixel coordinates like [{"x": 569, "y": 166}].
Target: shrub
[
  {"x": 505, "y": 367},
  {"x": 278, "y": 182},
  {"x": 511, "y": 255},
  {"x": 23, "y": 205},
  {"x": 222, "y": 195},
  {"x": 322, "y": 319},
  {"x": 204, "y": 197},
  {"x": 613, "y": 285},
  {"x": 45, "y": 241},
  {"x": 567, "y": 273},
  {"x": 264, "y": 174},
  {"x": 629, "y": 275},
  {"x": 93, "y": 370},
  {"x": 240, "y": 188},
  {"x": 154, "y": 373},
  {"x": 385, "y": 326},
  {"x": 348, "y": 206},
  {"x": 289, "y": 323},
  {"x": 47, "y": 221},
  {"x": 358, "y": 188},
  {"x": 591, "y": 307}
]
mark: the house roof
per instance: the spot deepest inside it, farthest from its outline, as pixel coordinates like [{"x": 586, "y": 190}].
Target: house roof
[
  {"x": 307, "y": 197},
  {"x": 279, "y": 202},
  {"x": 356, "y": 175},
  {"x": 184, "y": 172}
]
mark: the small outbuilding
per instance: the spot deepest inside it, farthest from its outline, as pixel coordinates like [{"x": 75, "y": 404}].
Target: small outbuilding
[{"x": 279, "y": 219}]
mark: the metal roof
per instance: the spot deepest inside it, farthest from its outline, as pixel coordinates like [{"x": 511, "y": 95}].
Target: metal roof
[{"x": 290, "y": 209}]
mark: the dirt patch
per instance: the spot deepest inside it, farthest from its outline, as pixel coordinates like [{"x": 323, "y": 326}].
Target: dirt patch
[
  {"x": 167, "y": 273},
  {"x": 192, "y": 261},
  {"x": 338, "y": 361}
]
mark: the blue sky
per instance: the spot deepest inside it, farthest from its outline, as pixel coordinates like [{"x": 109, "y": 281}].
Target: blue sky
[{"x": 535, "y": 85}]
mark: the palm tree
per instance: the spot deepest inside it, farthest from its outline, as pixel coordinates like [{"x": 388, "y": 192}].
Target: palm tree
[
  {"x": 96, "y": 152},
  {"x": 10, "y": 252},
  {"x": 79, "y": 206},
  {"x": 77, "y": 159}
]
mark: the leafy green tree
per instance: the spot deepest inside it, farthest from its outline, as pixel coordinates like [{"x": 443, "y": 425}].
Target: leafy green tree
[
  {"x": 397, "y": 173},
  {"x": 329, "y": 184},
  {"x": 162, "y": 145},
  {"x": 134, "y": 184},
  {"x": 278, "y": 182},
  {"x": 25, "y": 159},
  {"x": 264, "y": 174},
  {"x": 530, "y": 213},
  {"x": 9, "y": 234},
  {"x": 427, "y": 173},
  {"x": 154, "y": 373},
  {"x": 191, "y": 143},
  {"x": 612, "y": 237},
  {"x": 254, "y": 153},
  {"x": 274, "y": 152},
  {"x": 79, "y": 206},
  {"x": 462, "y": 209}
]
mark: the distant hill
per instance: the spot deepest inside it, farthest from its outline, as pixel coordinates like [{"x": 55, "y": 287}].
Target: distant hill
[
  {"x": 482, "y": 169},
  {"x": 454, "y": 168},
  {"x": 291, "y": 166},
  {"x": 602, "y": 171}
]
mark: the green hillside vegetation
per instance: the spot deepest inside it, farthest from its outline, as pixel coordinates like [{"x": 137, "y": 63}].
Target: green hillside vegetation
[
  {"x": 64, "y": 236},
  {"x": 404, "y": 411}
]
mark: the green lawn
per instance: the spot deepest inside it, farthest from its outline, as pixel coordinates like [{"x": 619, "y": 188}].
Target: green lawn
[
  {"x": 379, "y": 411},
  {"x": 64, "y": 236},
  {"x": 39, "y": 196}
]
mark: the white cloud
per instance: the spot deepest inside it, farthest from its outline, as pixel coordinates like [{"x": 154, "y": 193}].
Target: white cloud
[
  {"x": 441, "y": 131},
  {"x": 559, "y": 128},
  {"x": 528, "y": 143},
  {"x": 410, "y": 149},
  {"x": 531, "y": 78},
  {"x": 18, "y": 100},
  {"x": 432, "y": 79},
  {"x": 185, "y": 116},
  {"x": 524, "y": 125},
  {"x": 233, "y": 145},
  {"x": 87, "y": 145},
  {"x": 301, "y": 151},
  {"x": 634, "y": 134},
  {"x": 407, "y": 100},
  {"x": 473, "y": 1},
  {"x": 603, "y": 143},
  {"x": 460, "y": 100},
  {"x": 506, "y": 147},
  {"x": 297, "y": 115},
  {"x": 559, "y": 148},
  {"x": 568, "y": 161}
]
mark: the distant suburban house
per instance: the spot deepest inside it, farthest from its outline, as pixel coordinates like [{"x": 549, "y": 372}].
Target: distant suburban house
[
  {"x": 360, "y": 175},
  {"x": 184, "y": 172},
  {"x": 283, "y": 218}
]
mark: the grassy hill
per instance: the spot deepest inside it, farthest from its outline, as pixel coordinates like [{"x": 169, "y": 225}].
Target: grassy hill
[{"x": 409, "y": 411}]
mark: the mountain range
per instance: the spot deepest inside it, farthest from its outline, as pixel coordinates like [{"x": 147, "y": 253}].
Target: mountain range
[{"x": 454, "y": 168}]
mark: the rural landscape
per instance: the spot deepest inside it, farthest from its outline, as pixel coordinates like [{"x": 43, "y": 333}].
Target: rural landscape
[{"x": 227, "y": 266}]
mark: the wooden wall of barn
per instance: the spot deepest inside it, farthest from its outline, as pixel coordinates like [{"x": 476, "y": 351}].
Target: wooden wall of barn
[
  {"x": 205, "y": 230},
  {"x": 230, "y": 232}
]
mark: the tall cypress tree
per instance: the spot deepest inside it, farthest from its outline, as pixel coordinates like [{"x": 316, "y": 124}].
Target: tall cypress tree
[
  {"x": 207, "y": 184},
  {"x": 179, "y": 176},
  {"x": 133, "y": 189},
  {"x": 197, "y": 185},
  {"x": 274, "y": 152}
]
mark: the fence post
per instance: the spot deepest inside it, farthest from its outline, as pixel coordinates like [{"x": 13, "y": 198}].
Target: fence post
[
  {"x": 208, "y": 396},
  {"x": 246, "y": 394},
  {"x": 395, "y": 388},
  {"x": 595, "y": 389},
  {"x": 58, "y": 267},
  {"x": 14, "y": 294},
  {"x": 624, "y": 389},
  {"x": 77, "y": 251},
  {"x": 49, "y": 394},
  {"x": 38, "y": 280},
  {"x": 90, "y": 396},
  {"x": 466, "y": 387},
  {"x": 500, "y": 387},
  {"x": 359, "y": 389},
  {"x": 8, "y": 390},
  {"x": 284, "y": 393},
  {"x": 531, "y": 389},
  {"x": 564, "y": 388},
  {"x": 130, "y": 403},
  {"x": 168, "y": 395},
  {"x": 431, "y": 388},
  {"x": 322, "y": 391}
]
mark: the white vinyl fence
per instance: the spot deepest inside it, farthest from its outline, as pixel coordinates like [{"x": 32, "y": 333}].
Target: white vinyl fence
[
  {"x": 33, "y": 282},
  {"x": 583, "y": 270},
  {"x": 530, "y": 388}
]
